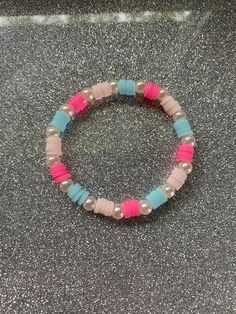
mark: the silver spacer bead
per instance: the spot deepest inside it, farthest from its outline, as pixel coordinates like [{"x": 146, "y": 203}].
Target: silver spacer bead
[
  {"x": 88, "y": 94},
  {"x": 140, "y": 86},
  {"x": 186, "y": 166},
  {"x": 90, "y": 203},
  {"x": 52, "y": 131},
  {"x": 67, "y": 109},
  {"x": 65, "y": 185},
  {"x": 52, "y": 160},
  {"x": 188, "y": 140},
  {"x": 169, "y": 190},
  {"x": 117, "y": 212},
  {"x": 179, "y": 115},
  {"x": 163, "y": 93},
  {"x": 114, "y": 87},
  {"x": 146, "y": 207}
]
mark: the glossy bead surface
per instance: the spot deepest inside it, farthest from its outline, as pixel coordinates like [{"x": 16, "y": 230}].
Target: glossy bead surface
[
  {"x": 88, "y": 94},
  {"x": 52, "y": 131},
  {"x": 67, "y": 109},
  {"x": 179, "y": 115},
  {"x": 186, "y": 166},
  {"x": 114, "y": 87},
  {"x": 52, "y": 160},
  {"x": 140, "y": 85},
  {"x": 169, "y": 190},
  {"x": 65, "y": 185},
  {"x": 163, "y": 93},
  {"x": 117, "y": 212},
  {"x": 90, "y": 203},
  {"x": 146, "y": 207},
  {"x": 188, "y": 140}
]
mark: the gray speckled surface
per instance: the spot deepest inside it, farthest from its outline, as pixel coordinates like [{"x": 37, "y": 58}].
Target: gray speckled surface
[{"x": 57, "y": 258}]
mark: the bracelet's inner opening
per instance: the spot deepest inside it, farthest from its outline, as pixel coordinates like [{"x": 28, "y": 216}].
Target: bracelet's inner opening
[{"x": 120, "y": 149}]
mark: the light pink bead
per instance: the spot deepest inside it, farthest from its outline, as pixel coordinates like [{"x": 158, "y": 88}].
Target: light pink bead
[
  {"x": 101, "y": 90},
  {"x": 170, "y": 105},
  {"x": 177, "y": 178},
  {"x": 104, "y": 207},
  {"x": 53, "y": 146}
]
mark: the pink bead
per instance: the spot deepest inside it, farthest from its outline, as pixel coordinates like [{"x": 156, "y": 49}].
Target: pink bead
[
  {"x": 151, "y": 91},
  {"x": 101, "y": 90},
  {"x": 59, "y": 172},
  {"x": 170, "y": 105},
  {"x": 177, "y": 178},
  {"x": 78, "y": 103},
  {"x": 53, "y": 146},
  {"x": 185, "y": 153},
  {"x": 104, "y": 207},
  {"x": 131, "y": 208}
]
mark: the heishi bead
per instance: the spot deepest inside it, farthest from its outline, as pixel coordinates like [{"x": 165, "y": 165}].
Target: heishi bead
[
  {"x": 52, "y": 131},
  {"x": 104, "y": 207},
  {"x": 185, "y": 153},
  {"x": 131, "y": 208},
  {"x": 156, "y": 197},
  {"x": 140, "y": 87},
  {"x": 101, "y": 90},
  {"x": 152, "y": 91},
  {"x": 127, "y": 87},
  {"x": 60, "y": 120},
  {"x": 170, "y": 105},
  {"x": 53, "y": 146},
  {"x": 77, "y": 194},
  {"x": 59, "y": 172},
  {"x": 78, "y": 103},
  {"x": 177, "y": 178},
  {"x": 89, "y": 203},
  {"x": 182, "y": 128},
  {"x": 117, "y": 212}
]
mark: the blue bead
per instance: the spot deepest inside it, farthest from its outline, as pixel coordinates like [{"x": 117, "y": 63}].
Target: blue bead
[
  {"x": 182, "y": 128},
  {"x": 127, "y": 87},
  {"x": 156, "y": 197},
  {"x": 77, "y": 194},
  {"x": 60, "y": 120}
]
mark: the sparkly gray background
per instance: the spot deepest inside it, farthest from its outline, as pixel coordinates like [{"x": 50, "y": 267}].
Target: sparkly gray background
[{"x": 57, "y": 258}]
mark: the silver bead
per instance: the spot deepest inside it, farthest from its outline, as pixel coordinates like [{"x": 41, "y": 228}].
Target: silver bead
[
  {"x": 65, "y": 185},
  {"x": 52, "y": 160},
  {"x": 179, "y": 115},
  {"x": 186, "y": 166},
  {"x": 90, "y": 203},
  {"x": 169, "y": 190},
  {"x": 88, "y": 94},
  {"x": 67, "y": 109},
  {"x": 117, "y": 212},
  {"x": 140, "y": 86},
  {"x": 146, "y": 207},
  {"x": 188, "y": 140},
  {"x": 163, "y": 93},
  {"x": 114, "y": 87},
  {"x": 52, "y": 131}
]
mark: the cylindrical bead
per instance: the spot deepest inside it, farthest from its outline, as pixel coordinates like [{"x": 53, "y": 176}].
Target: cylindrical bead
[
  {"x": 60, "y": 120},
  {"x": 156, "y": 197},
  {"x": 101, "y": 90},
  {"x": 104, "y": 207},
  {"x": 151, "y": 91},
  {"x": 177, "y": 178},
  {"x": 170, "y": 105},
  {"x": 127, "y": 87},
  {"x": 59, "y": 172},
  {"x": 185, "y": 153},
  {"x": 77, "y": 194},
  {"x": 182, "y": 128},
  {"x": 78, "y": 103},
  {"x": 53, "y": 146},
  {"x": 131, "y": 208}
]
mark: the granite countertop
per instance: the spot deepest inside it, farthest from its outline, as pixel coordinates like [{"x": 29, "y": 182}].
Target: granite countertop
[{"x": 57, "y": 258}]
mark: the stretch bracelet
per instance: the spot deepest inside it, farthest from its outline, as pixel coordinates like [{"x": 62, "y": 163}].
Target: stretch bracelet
[{"x": 78, "y": 105}]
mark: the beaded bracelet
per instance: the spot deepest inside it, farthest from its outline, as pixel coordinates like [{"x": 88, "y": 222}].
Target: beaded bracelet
[{"x": 78, "y": 105}]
